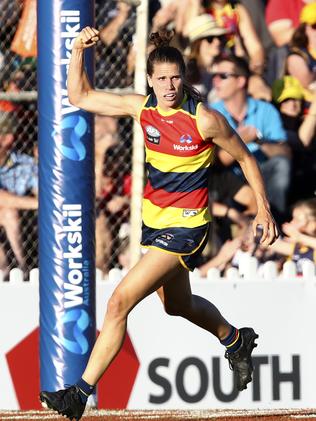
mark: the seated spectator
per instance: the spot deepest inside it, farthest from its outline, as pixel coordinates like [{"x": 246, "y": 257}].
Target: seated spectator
[
  {"x": 288, "y": 95},
  {"x": 232, "y": 251},
  {"x": 116, "y": 35},
  {"x": 111, "y": 31},
  {"x": 171, "y": 15},
  {"x": 207, "y": 41},
  {"x": 223, "y": 258},
  {"x": 282, "y": 18},
  {"x": 10, "y": 12},
  {"x": 243, "y": 39},
  {"x": 18, "y": 189},
  {"x": 104, "y": 133},
  {"x": 232, "y": 201},
  {"x": 256, "y": 9},
  {"x": 227, "y": 188},
  {"x": 301, "y": 61},
  {"x": 123, "y": 248},
  {"x": 112, "y": 192},
  {"x": 300, "y": 240},
  {"x": 274, "y": 63},
  {"x": 300, "y": 126},
  {"x": 259, "y": 125}
]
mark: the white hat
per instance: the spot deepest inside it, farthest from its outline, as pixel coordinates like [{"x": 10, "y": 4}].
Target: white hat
[{"x": 203, "y": 26}]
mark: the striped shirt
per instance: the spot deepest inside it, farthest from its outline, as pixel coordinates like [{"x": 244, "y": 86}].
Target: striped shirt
[{"x": 177, "y": 162}]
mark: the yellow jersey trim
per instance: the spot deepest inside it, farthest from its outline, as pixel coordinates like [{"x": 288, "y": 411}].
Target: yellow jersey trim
[
  {"x": 198, "y": 120},
  {"x": 169, "y": 252},
  {"x": 183, "y": 263},
  {"x": 174, "y": 252},
  {"x": 171, "y": 163},
  {"x": 172, "y": 110},
  {"x": 157, "y": 217},
  {"x": 164, "y": 250}
]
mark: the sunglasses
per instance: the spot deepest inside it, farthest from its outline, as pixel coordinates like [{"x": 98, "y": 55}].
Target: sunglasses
[
  {"x": 224, "y": 75},
  {"x": 211, "y": 38},
  {"x": 313, "y": 26}
]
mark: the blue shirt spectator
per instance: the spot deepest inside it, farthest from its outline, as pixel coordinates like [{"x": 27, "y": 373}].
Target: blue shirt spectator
[
  {"x": 264, "y": 117},
  {"x": 259, "y": 125}
]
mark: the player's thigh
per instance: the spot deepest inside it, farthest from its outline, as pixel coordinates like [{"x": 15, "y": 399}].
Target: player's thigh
[{"x": 146, "y": 277}]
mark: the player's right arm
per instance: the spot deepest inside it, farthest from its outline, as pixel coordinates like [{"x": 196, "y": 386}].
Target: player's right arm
[{"x": 82, "y": 95}]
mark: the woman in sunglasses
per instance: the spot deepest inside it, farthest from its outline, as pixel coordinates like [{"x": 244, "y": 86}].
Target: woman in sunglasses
[
  {"x": 206, "y": 41},
  {"x": 234, "y": 17},
  {"x": 301, "y": 61}
]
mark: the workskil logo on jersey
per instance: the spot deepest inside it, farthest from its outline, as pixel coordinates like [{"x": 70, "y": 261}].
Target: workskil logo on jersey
[
  {"x": 185, "y": 143},
  {"x": 152, "y": 134}
]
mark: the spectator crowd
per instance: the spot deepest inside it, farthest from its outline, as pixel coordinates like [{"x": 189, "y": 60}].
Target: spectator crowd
[{"x": 254, "y": 61}]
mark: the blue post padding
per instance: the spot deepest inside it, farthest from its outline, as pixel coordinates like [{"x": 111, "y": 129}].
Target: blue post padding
[{"x": 66, "y": 200}]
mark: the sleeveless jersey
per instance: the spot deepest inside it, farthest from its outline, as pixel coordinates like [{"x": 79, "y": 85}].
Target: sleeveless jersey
[{"x": 177, "y": 163}]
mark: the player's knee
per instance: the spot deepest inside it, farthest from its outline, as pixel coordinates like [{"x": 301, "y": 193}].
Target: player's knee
[{"x": 117, "y": 305}]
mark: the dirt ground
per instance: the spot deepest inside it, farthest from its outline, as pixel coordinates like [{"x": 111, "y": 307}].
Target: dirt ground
[{"x": 203, "y": 415}]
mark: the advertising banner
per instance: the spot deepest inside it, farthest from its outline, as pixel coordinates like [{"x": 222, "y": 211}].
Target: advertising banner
[
  {"x": 66, "y": 200},
  {"x": 168, "y": 363}
]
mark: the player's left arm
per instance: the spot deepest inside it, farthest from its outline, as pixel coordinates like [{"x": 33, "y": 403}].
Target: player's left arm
[{"x": 215, "y": 128}]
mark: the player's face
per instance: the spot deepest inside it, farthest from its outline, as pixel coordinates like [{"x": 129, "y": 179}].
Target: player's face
[{"x": 167, "y": 83}]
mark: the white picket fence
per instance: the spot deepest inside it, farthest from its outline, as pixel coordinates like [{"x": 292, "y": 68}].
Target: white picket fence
[{"x": 249, "y": 269}]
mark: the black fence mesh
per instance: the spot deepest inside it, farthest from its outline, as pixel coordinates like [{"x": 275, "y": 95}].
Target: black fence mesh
[{"x": 114, "y": 70}]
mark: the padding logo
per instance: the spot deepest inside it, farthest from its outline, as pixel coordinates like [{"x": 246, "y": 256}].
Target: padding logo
[
  {"x": 78, "y": 343},
  {"x": 75, "y": 128},
  {"x": 152, "y": 134}
]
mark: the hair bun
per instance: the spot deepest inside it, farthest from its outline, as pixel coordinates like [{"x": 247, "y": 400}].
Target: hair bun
[{"x": 161, "y": 38}]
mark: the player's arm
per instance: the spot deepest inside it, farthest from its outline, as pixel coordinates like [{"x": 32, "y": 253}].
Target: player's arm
[
  {"x": 82, "y": 95},
  {"x": 215, "y": 128}
]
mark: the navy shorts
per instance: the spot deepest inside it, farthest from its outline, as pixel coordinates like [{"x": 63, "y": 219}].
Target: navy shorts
[{"x": 187, "y": 243}]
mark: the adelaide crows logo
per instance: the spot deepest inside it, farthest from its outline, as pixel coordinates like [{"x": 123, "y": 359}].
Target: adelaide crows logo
[{"x": 186, "y": 138}]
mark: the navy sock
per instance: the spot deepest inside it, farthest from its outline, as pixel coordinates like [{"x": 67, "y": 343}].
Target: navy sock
[
  {"x": 232, "y": 341},
  {"x": 85, "y": 389}
]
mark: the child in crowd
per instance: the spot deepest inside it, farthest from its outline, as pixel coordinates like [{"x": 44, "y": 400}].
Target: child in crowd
[{"x": 300, "y": 240}]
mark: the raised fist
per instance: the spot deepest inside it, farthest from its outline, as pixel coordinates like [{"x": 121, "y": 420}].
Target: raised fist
[{"x": 88, "y": 37}]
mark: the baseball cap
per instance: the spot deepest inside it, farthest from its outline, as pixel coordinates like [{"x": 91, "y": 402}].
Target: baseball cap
[
  {"x": 203, "y": 26},
  {"x": 287, "y": 88},
  {"x": 308, "y": 14}
]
